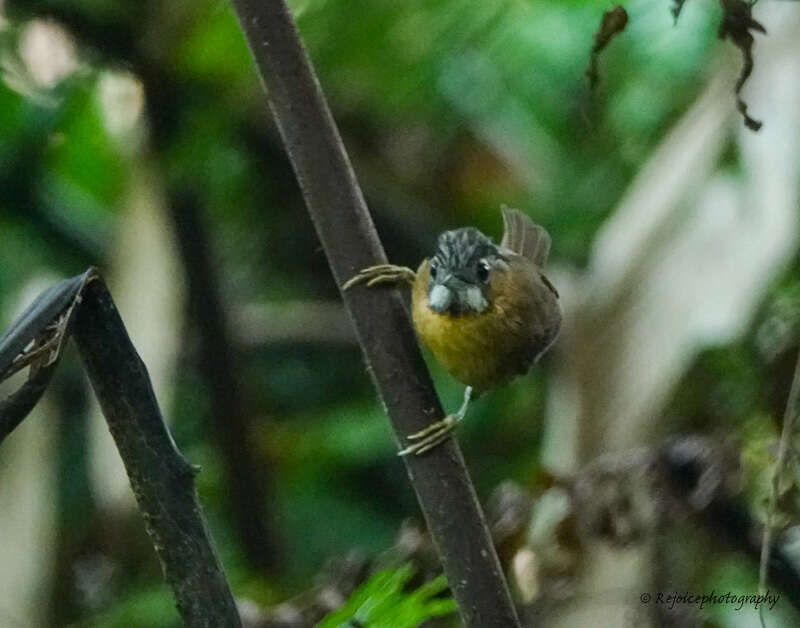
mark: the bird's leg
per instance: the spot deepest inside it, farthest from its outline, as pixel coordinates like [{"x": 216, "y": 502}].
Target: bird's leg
[
  {"x": 382, "y": 273},
  {"x": 438, "y": 432}
]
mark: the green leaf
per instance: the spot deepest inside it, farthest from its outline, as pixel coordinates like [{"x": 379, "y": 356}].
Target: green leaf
[{"x": 382, "y": 602}]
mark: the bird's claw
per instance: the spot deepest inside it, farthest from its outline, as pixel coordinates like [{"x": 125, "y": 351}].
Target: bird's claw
[
  {"x": 431, "y": 436},
  {"x": 436, "y": 433},
  {"x": 382, "y": 273}
]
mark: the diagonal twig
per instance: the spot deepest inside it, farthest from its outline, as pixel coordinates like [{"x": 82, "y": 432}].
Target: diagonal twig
[
  {"x": 162, "y": 480},
  {"x": 337, "y": 208}
]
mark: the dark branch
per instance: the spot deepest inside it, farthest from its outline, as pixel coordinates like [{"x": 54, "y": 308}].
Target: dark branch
[
  {"x": 219, "y": 365},
  {"x": 162, "y": 480},
  {"x": 343, "y": 223}
]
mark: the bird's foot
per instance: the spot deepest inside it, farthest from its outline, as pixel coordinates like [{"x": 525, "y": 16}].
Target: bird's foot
[
  {"x": 436, "y": 433},
  {"x": 382, "y": 273},
  {"x": 431, "y": 436}
]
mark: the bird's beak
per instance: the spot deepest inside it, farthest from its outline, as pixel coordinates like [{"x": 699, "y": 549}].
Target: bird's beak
[
  {"x": 445, "y": 292},
  {"x": 441, "y": 297},
  {"x": 452, "y": 293}
]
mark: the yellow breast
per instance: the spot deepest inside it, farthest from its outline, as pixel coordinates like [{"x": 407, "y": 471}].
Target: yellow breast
[{"x": 481, "y": 350}]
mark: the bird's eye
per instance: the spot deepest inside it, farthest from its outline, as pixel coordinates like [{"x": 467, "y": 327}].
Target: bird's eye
[
  {"x": 483, "y": 270},
  {"x": 434, "y": 268}
]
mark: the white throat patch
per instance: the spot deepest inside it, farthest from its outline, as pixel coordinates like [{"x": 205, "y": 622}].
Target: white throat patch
[{"x": 470, "y": 299}]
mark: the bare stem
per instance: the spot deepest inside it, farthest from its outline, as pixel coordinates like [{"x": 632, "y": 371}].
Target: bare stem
[
  {"x": 220, "y": 366},
  {"x": 162, "y": 480},
  {"x": 340, "y": 215}
]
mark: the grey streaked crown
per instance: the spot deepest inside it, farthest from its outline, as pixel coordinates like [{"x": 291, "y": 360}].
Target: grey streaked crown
[{"x": 460, "y": 248}]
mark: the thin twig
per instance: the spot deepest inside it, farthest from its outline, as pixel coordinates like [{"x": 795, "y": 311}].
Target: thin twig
[
  {"x": 219, "y": 364},
  {"x": 161, "y": 479},
  {"x": 348, "y": 236},
  {"x": 789, "y": 418}
]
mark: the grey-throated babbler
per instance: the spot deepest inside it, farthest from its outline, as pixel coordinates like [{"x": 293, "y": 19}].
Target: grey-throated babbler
[{"x": 486, "y": 311}]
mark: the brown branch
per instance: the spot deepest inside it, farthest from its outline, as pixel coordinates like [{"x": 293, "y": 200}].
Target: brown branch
[
  {"x": 162, "y": 480},
  {"x": 219, "y": 365},
  {"x": 348, "y": 236}
]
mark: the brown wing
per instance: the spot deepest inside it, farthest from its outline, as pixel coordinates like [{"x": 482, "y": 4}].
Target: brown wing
[{"x": 524, "y": 237}]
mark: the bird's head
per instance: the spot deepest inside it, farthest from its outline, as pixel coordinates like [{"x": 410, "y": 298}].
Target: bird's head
[{"x": 461, "y": 271}]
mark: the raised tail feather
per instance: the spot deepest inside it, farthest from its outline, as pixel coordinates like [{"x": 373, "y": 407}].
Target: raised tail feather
[{"x": 524, "y": 237}]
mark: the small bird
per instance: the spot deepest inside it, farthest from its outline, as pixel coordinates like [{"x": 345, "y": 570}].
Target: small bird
[{"x": 486, "y": 311}]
